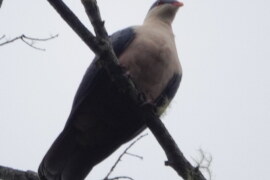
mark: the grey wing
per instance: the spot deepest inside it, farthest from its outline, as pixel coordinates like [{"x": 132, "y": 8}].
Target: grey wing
[
  {"x": 120, "y": 41},
  {"x": 168, "y": 93}
]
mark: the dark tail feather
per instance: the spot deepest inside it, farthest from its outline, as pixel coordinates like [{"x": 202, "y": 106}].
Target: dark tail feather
[{"x": 64, "y": 160}]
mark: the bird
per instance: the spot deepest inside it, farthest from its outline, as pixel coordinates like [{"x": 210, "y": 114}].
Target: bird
[{"x": 101, "y": 118}]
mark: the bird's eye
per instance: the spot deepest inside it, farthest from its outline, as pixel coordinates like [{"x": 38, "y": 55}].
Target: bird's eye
[{"x": 160, "y": 3}]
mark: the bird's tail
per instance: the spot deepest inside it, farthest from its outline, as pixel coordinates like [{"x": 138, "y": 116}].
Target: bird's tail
[{"x": 65, "y": 160}]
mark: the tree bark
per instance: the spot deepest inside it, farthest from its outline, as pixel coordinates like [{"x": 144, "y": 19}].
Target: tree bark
[{"x": 7, "y": 173}]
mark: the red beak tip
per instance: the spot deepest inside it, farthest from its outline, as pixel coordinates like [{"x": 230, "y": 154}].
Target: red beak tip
[{"x": 177, "y": 3}]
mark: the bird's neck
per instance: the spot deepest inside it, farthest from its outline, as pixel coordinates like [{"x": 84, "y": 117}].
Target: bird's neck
[
  {"x": 157, "y": 22},
  {"x": 161, "y": 16}
]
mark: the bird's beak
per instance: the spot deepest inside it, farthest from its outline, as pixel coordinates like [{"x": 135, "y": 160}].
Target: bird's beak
[{"x": 178, "y": 4}]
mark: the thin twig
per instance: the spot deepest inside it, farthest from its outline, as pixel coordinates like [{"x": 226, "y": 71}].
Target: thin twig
[
  {"x": 204, "y": 163},
  {"x": 120, "y": 177},
  {"x": 134, "y": 155},
  {"x": 32, "y": 45},
  {"x": 25, "y": 39},
  {"x": 41, "y": 39},
  {"x": 176, "y": 159},
  {"x": 10, "y": 41},
  {"x": 121, "y": 155},
  {"x": 2, "y": 37}
]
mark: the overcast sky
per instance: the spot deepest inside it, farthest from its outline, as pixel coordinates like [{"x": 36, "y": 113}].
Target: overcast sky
[{"x": 222, "y": 105}]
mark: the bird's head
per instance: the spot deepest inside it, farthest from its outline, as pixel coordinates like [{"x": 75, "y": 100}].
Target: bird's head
[{"x": 163, "y": 10}]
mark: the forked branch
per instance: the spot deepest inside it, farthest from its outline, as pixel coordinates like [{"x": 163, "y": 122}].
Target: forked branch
[
  {"x": 119, "y": 159},
  {"x": 30, "y": 41}
]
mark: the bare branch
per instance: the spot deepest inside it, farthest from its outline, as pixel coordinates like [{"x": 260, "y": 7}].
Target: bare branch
[
  {"x": 175, "y": 157},
  {"x": 204, "y": 163},
  {"x": 14, "y": 174},
  {"x": 41, "y": 39},
  {"x": 73, "y": 21},
  {"x": 121, "y": 155},
  {"x": 2, "y": 37},
  {"x": 32, "y": 44},
  {"x": 120, "y": 177},
  {"x": 28, "y": 40},
  {"x": 134, "y": 155},
  {"x": 10, "y": 41},
  {"x": 92, "y": 11}
]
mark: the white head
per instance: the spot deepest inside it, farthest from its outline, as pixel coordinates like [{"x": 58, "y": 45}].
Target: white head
[{"x": 163, "y": 10}]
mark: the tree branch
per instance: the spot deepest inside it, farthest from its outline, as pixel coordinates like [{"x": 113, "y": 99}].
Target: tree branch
[
  {"x": 30, "y": 41},
  {"x": 120, "y": 157},
  {"x": 92, "y": 11},
  {"x": 176, "y": 159},
  {"x": 134, "y": 155},
  {"x": 3, "y": 36},
  {"x": 73, "y": 21},
  {"x": 204, "y": 163},
  {"x": 14, "y": 174},
  {"x": 120, "y": 177}
]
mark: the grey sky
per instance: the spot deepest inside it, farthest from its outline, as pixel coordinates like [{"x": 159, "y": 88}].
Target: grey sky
[{"x": 222, "y": 105}]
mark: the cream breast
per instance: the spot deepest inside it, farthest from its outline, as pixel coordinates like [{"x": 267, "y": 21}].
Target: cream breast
[{"x": 151, "y": 59}]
